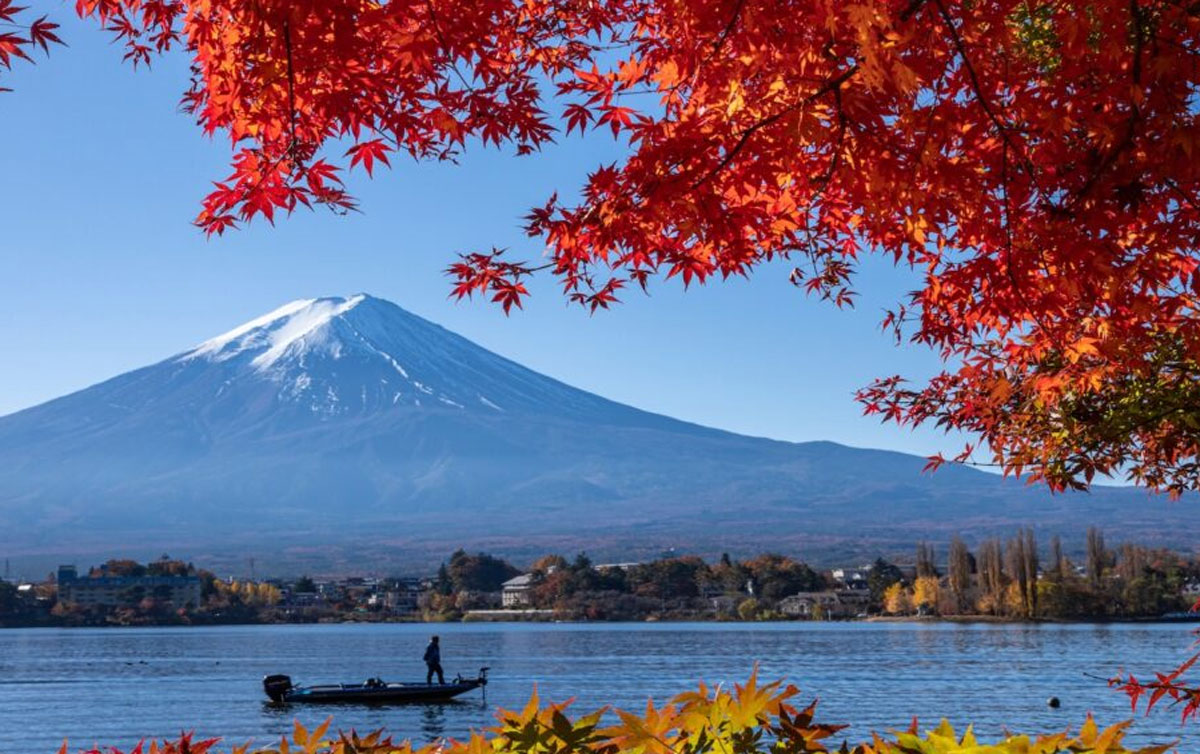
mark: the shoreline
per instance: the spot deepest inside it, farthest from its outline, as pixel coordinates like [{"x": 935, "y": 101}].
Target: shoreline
[
  {"x": 543, "y": 619},
  {"x": 1031, "y": 621}
]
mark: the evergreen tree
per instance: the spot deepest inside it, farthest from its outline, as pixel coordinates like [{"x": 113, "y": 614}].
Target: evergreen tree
[
  {"x": 479, "y": 572},
  {"x": 305, "y": 584},
  {"x": 442, "y": 584},
  {"x": 883, "y": 575}
]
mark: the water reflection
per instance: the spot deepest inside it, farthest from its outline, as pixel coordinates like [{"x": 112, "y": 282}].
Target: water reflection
[
  {"x": 156, "y": 682},
  {"x": 433, "y": 721}
]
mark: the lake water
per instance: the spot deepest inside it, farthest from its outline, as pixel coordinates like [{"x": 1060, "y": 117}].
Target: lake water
[{"x": 114, "y": 686}]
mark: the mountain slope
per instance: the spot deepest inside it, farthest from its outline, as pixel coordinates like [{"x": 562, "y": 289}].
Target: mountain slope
[{"x": 348, "y": 424}]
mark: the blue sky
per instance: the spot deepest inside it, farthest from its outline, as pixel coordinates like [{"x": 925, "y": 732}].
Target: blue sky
[{"x": 101, "y": 270}]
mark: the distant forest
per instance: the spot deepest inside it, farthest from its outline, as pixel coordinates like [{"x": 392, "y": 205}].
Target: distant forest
[
  {"x": 1000, "y": 579},
  {"x": 1013, "y": 579}
]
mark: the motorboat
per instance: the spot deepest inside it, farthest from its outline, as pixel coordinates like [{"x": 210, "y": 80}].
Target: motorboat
[{"x": 280, "y": 690}]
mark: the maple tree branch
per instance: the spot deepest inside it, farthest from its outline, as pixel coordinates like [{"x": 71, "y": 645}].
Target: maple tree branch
[
  {"x": 1183, "y": 195},
  {"x": 836, "y": 160},
  {"x": 926, "y": 133},
  {"x": 829, "y": 86},
  {"x": 822, "y": 184},
  {"x": 717, "y": 45},
  {"x": 977, "y": 89},
  {"x": 1139, "y": 41},
  {"x": 291, "y": 73},
  {"x": 1007, "y": 208},
  {"x": 832, "y": 85},
  {"x": 737, "y": 13},
  {"x": 1135, "y": 14},
  {"x": 1001, "y": 127},
  {"x": 437, "y": 31},
  {"x": 1008, "y": 240},
  {"x": 912, "y": 9},
  {"x": 1178, "y": 693},
  {"x": 1177, "y": 45},
  {"x": 635, "y": 92}
]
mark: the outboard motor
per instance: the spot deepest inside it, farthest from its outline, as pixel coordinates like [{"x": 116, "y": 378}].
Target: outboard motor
[{"x": 276, "y": 686}]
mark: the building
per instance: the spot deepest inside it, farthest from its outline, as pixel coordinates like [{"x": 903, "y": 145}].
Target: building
[
  {"x": 616, "y": 566},
  {"x": 808, "y": 604},
  {"x": 402, "y": 595},
  {"x": 301, "y": 599},
  {"x": 118, "y": 591},
  {"x": 723, "y": 603},
  {"x": 855, "y": 602},
  {"x": 851, "y": 578},
  {"x": 844, "y": 603},
  {"x": 516, "y": 591}
]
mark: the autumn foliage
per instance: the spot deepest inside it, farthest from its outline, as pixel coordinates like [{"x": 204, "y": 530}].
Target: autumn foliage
[
  {"x": 748, "y": 719},
  {"x": 1167, "y": 688},
  {"x": 1034, "y": 160},
  {"x": 19, "y": 37}
]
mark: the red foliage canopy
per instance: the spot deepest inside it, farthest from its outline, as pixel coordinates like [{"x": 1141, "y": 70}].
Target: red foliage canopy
[{"x": 1034, "y": 158}]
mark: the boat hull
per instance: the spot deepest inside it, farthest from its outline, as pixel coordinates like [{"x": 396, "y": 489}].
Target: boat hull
[
  {"x": 280, "y": 690},
  {"x": 392, "y": 693}
]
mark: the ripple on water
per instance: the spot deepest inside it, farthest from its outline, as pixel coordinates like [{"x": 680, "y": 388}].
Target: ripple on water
[{"x": 114, "y": 686}]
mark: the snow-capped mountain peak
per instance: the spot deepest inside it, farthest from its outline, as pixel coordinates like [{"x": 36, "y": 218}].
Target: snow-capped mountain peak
[
  {"x": 270, "y": 335},
  {"x": 359, "y": 354},
  {"x": 350, "y": 423}
]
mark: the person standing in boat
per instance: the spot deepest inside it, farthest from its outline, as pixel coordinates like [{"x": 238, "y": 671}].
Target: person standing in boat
[{"x": 433, "y": 661}]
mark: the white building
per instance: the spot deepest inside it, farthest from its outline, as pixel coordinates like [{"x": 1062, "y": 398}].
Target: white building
[
  {"x": 844, "y": 603},
  {"x": 516, "y": 591}
]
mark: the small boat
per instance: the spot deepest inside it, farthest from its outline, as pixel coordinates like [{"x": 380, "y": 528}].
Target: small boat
[{"x": 280, "y": 690}]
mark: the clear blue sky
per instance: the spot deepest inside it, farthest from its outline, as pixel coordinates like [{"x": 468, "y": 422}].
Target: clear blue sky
[{"x": 101, "y": 270}]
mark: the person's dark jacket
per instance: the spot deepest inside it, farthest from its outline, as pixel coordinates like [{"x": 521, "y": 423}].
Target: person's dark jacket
[{"x": 433, "y": 654}]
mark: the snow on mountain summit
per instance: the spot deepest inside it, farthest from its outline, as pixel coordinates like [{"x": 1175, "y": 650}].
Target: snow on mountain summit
[
  {"x": 360, "y": 354},
  {"x": 337, "y": 371},
  {"x": 350, "y": 423},
  {"x": 270, "y": 335}
]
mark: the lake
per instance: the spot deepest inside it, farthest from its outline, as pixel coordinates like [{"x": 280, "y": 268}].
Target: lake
[{"x": 114, "y": 686}]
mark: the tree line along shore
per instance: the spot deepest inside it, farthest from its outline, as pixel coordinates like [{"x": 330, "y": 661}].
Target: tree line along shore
[{"x": 1012, "y": 579}]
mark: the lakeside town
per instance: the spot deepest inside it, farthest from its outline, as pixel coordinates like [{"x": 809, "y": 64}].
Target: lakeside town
[{"x": 1006, "y": 580}]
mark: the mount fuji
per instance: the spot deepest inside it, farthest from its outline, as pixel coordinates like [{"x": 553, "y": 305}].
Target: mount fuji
[{"x": 347, "y": 432}]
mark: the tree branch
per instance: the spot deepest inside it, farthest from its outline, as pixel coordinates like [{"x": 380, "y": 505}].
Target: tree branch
[
  {"x": 977, "y": 89},
  {"x": 737, "y": 13},
  {"x": 291, "y": 74},
  {"x": 829, "y": 86}
]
